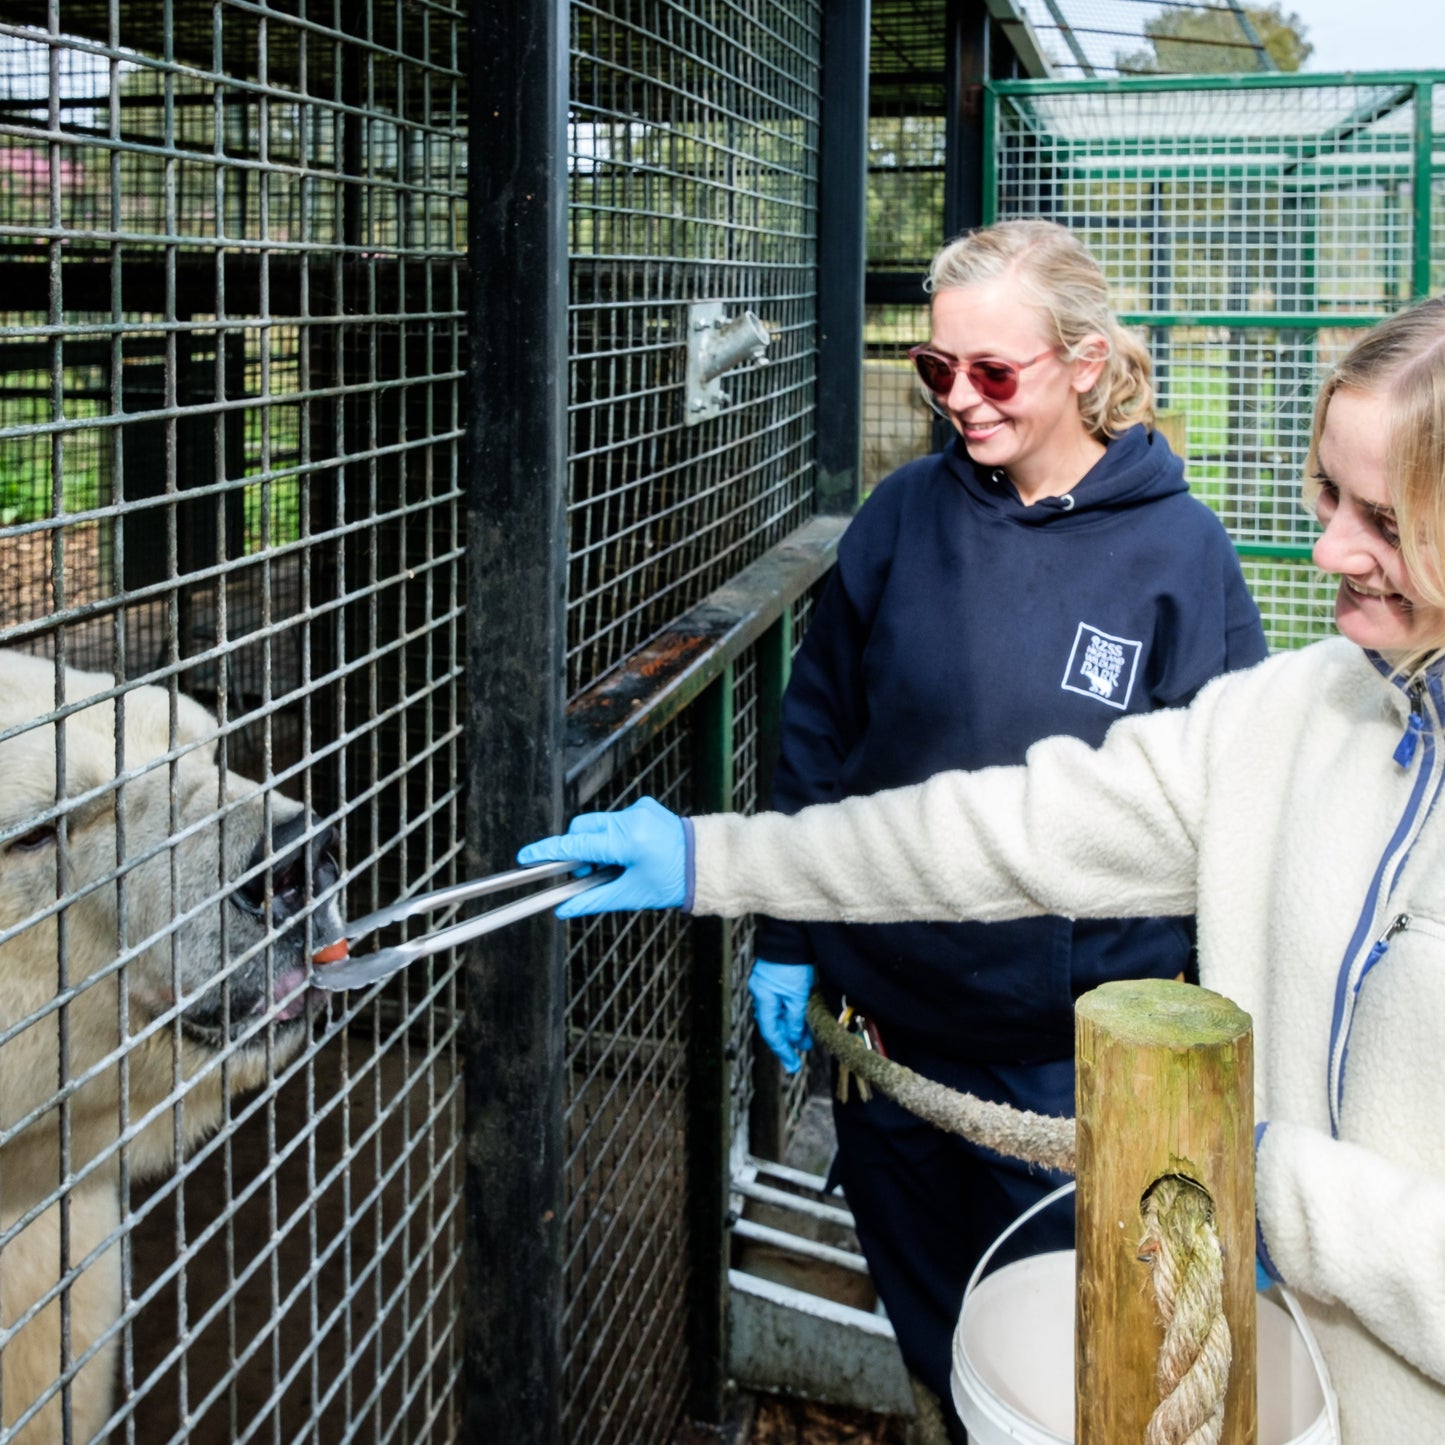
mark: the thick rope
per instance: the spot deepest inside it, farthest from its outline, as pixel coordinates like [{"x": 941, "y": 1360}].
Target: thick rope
[
  {"x": 1188, "y": 1270},
  {"x": 1035, "y": 1138}
]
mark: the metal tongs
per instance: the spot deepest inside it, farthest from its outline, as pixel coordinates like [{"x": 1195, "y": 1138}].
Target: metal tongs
[{"x": 369, "y": 968}]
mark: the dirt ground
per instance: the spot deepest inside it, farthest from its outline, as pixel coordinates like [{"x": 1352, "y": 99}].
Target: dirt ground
[
  {"x": 796, "y": 1422},
  {"x": 775, "y": 1420}
]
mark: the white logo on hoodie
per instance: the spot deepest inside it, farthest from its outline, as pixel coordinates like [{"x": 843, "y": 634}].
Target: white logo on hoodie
[{"x": 1102, "y": 666}]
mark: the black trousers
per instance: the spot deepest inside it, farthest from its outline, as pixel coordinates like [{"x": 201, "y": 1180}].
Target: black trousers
[{"x": 928, "y": 1204}]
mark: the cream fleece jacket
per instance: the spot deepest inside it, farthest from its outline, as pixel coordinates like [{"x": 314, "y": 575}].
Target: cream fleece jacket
[{"x": 1281, "y": 809}]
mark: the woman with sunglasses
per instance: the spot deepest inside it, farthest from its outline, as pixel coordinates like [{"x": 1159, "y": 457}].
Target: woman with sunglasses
[
  {"x": 1298, "y": 808},
  {"x": 1047, "y": 573}
]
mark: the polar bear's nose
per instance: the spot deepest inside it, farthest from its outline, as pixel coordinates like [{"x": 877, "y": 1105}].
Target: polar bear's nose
[{"x": 295, "y": 860}]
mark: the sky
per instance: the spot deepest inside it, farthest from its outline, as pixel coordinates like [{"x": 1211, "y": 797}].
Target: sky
[{"x": 1373, "y": 34}]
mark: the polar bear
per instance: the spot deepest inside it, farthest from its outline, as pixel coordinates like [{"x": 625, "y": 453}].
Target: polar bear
[{"x": 143, "y": 940}]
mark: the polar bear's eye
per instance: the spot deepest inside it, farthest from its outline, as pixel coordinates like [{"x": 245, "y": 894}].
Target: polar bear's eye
[{"x": 34, "y": 840}]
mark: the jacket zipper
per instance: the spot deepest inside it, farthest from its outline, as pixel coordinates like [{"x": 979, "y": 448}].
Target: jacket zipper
[
  {"x": 1355, "y": 968},
  {"x": 1414, "y": 725},
  {"x": 1398, "y": 924}
]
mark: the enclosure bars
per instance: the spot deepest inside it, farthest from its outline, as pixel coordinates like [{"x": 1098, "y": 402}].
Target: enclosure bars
[
  {"x": 517, "y": 238},
  {"x": 517, "y": 572},
  {"x": 842, "y": 259},
  {"x": 688, "y": 673},
  {"x": 1299, "y": 310}
]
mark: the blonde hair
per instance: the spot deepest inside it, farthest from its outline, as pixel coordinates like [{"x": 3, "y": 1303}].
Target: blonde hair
[
  {"x": 1402, "y": 361},
  {"x": 1064, "y": 284}
]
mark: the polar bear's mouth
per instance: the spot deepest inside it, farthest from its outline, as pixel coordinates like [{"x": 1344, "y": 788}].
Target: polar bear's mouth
[
  {"x": 208, "y": 1021},
  {"x": 293, "y": 864}
]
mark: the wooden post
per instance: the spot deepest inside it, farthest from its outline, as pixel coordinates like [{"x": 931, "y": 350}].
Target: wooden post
[{"x": 1165, "y": 1088}]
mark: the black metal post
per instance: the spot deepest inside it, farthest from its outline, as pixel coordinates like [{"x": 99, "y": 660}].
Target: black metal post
[
  {"x": 516, "y": 656},
  {"x": 842, "y": 254},
  {"x": 967, "y": 52}
]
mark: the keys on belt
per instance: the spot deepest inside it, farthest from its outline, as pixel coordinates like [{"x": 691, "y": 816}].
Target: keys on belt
[{"x": 865, "y": 1030}]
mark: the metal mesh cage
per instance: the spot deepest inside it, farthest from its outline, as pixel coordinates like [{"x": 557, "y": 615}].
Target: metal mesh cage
[
  {"x": 636, "y": 1163},
  {"x": 629, "y": 997},
  {"x": 1249, "y": 229},
  {"x": 742, "y": 1031},
  {"x": 907, "y": 100},
  {"x": 693, "y": 171},
  {"x": 229, "y": 367}
]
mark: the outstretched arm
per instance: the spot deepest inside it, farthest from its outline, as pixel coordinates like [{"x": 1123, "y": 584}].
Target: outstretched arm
[{"x": 1078, "y": 831}]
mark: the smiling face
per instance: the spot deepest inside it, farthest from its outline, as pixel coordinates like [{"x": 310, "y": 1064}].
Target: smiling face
[
  {"x": 1038, "y": 435},
  {"x": 1378, "y": 606}
]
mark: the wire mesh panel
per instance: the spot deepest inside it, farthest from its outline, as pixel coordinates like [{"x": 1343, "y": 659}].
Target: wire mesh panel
[
  {"x": 743, "y": 1048},
  {"x": 693, "y": 174},
  {"x": 907, "y": 136},
  {"x": 230, "y": 598},
  {"x": 693, "y": 171},
  {"x": 1249, "y": 229},
  {"x": 897, "y": 420},
  {"x": 625, "y": 1283}
]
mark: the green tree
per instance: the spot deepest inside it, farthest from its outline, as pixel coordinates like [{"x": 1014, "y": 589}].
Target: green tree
[{"x": 1210, "y": 40}]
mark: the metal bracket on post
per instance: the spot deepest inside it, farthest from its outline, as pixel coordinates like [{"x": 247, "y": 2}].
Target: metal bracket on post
[{"x": 716, "y": 345}]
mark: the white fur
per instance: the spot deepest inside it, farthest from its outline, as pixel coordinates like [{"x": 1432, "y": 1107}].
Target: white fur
[{"x": 153, "y": 850}]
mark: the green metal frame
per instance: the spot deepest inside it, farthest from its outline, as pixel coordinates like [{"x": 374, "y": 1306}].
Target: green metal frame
[{"x": 1127, "y": 159}]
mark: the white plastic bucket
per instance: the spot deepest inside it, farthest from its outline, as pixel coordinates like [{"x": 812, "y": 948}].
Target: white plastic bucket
[{"x": 1013, "y": 1357}]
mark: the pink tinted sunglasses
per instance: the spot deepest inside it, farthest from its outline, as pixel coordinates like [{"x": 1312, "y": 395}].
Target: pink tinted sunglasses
[{"x": 990, "y": 376}]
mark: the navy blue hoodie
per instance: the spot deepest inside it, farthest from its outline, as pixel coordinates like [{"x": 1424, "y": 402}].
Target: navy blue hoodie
[{"x": 959, "y": 627}]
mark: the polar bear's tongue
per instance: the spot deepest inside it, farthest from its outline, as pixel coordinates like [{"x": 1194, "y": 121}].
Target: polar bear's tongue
[{"x": 290, "y": 992}]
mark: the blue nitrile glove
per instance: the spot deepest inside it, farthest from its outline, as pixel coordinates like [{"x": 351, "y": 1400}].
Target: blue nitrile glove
[
  {"x": 647, "y": 840},
  {"x": 780, "y": 1005}
]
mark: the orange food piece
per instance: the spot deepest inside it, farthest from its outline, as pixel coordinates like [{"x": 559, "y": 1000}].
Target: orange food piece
[{"x": 332, "y": 953}]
